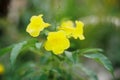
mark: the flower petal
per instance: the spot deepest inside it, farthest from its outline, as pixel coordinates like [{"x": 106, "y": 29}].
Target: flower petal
[
  {"x": 36, "y": 25},
  {"x": 57, "y": 42}
]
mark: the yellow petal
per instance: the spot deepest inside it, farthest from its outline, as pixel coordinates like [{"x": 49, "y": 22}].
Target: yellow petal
[
  {"x": 78, "y": 32},
  {"x": 36, "y": 19},
  {"x": 79, "y": 27},
  {"x": 48, "y": 45},
  {"x": 36, "y": 25},
  {"x": 57, "y": 42},
  {"x": 67, "y": 27},
  {"x": 81, "y": 37},
  {"x": 58, "y": 51}
]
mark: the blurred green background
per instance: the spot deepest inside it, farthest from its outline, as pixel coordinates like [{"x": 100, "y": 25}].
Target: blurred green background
[{"x": 101, "y": 19}]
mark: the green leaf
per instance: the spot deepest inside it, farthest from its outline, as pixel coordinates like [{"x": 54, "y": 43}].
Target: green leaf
[
  {"x": 88, "y": 50},
  {"x": 16, "y": 50},
  {"x": 101, "y": 59},
  {"x": 30, "y": 42},
  {"x": 38, "y": 45},
  {"x": 5, "y": 50},
  {"x": 69, "y": 56},
  {"x": 92, "y": 75}
]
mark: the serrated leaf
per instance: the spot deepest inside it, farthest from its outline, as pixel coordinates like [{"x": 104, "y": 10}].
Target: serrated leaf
[
  {"x": 16, "y": 50},
  {"x": 101, "y": 59}
]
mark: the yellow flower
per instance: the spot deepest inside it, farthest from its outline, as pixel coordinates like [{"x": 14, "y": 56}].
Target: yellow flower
[
  {"x": 1, "y": 69},
  {"x": 71, "y": 31},
  {"x": 57, "y": 42},
  {"x": 78, "y": 32},
  {"x": 36, "y": 25},
  {"x": 68, "y": 27}
]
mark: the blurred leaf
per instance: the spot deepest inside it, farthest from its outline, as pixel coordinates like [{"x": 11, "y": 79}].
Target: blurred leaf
[
  {"x": 43, "y": 77},
  {"x": 5, "y": 50},
  {"x": 92, "y": 75},
  {"x": 30, "y": 43},
  {"x": 88, "y": 50},
  {"x": 76, "y": 58},
  {"x": 69, "y": 56},
  {"x": 38, "y": 45},
  {"x": 101, "y": 59},
  {"x": 16, "y": 50}
]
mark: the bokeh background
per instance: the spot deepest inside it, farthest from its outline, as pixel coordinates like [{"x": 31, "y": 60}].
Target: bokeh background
[{"x": 101, "y": 19}]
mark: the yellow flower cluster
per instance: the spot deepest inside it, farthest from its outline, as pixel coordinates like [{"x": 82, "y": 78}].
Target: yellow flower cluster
[
  {"x": 71, "y": 31},
  {"x": 56, "y": 41}
]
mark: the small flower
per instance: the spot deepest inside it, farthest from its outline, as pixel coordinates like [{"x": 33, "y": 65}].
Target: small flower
[
  {"x": 1, "y": 69},
  {"x": 57, "y": 42},
  {"x": 78, "y": 32},
  {"x": 68, "y": 27},
  {"x": 36, "y": 25},
  {"x": 71, "y": 31}
]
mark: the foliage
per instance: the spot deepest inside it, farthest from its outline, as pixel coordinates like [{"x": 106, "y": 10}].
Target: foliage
[
  {"x": 67, "y": 66},
  {"x": 58, "y": 64},
  {"x": 30, "y": 60}
]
